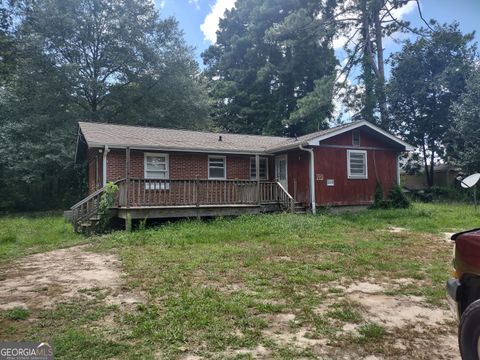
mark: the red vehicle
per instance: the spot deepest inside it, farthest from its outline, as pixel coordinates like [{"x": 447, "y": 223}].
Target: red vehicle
[{"x": 463, "y": 291}]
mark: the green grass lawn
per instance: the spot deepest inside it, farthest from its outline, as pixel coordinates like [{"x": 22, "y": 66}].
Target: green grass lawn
[
  {"x": 21, "y": 235},
  {"x": 215, "y": 287}
]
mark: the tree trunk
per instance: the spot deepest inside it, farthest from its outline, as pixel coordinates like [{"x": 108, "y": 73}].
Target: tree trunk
[
  {"x": 432, "y": 166},
  {"x": 381, "y": 96},
  {"x": 425, "y": 164},
  {"x": 367, "y": 68}
]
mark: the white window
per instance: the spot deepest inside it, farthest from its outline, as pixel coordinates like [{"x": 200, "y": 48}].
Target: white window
[
  {"x": 263, "y": 168},
  {"x": 356, "y": 138},
  {"x": 357, "y": 164},
  {"x": 156, "y": 167},
  {"x": 217, "y": 167}
]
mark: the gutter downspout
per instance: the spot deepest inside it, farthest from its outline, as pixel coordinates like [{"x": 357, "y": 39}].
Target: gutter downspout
[
  {"x": 312, "y": 178},
  {"x": 104, "y": 165}
]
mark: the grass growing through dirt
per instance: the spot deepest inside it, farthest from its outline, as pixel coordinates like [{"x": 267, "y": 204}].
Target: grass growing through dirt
[
  {"x": 18, "y": 313},
  {"x": 218, "y": 286},
  {"x": 370, "y": 332},
  {"x": 21, "y": 235}
]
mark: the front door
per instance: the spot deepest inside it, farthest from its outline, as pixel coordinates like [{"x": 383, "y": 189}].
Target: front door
[{"x": 281, "y": 170}]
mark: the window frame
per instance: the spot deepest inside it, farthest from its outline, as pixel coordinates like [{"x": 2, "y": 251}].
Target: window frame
[
  {"x": 167, "y": 165},
  {"x": 266, "y": 168},
  {"x": 353, "y": 137},
  {"x": 155, "y": 185},
  {"x": 365, "y": 157},
  {"x": 224, "y": 158}
]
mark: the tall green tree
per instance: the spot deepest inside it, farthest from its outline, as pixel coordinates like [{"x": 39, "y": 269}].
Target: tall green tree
[
  {"x": 7, "y": 44},
  {"x": 104, "y": 47},
  {"x": 270, "y": 55},
  {"x": 427, "y": 76},
  {"x": 464, "y": 144},
  {"x": 363, "y": 25},
  {"x": 90, "y": 60}
]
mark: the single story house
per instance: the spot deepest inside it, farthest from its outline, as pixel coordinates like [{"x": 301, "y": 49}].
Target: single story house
[{"x": 173, "y": 173}]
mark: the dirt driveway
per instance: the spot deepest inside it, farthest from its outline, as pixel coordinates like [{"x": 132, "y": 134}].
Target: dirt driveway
[
  {"x": 424, "y": 331},
  {"x": 43, "y": 280}
]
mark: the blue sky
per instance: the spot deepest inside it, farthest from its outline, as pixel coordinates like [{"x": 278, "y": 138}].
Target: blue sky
[{"x": 199, "y": 18}]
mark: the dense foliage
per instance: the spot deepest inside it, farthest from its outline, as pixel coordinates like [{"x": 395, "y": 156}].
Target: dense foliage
[
  {"x": 93, "y": 60},
  {"x": 427, "y": 76},
  {"x": 464, "y": 147},
  {"x": 272, "y": 68},
  {"x": 396, "y": 198}
]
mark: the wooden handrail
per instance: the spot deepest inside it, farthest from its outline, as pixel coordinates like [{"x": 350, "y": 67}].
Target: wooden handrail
[
  {"x": 88, "y": 207},
  {"x": 285, "y": 191},
  {"x": 92, "y": 195}
]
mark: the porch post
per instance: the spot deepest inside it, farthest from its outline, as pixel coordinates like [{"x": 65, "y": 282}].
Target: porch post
[
  {"x": 257, "y": 173},
  {"x": 104, "y": 165},
  {"x": 128, "y": 219}
]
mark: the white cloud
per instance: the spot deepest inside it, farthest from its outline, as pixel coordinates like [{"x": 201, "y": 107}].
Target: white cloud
[
  {"x": 162, "y": 3},
  {"x": 211, "y": 21},
  {"x": 404, "y": 10}
]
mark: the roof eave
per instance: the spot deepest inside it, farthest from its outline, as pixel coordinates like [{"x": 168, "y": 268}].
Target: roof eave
[
  {"x": 295, "y": 145},
  {"x": 179, "y": 149}
]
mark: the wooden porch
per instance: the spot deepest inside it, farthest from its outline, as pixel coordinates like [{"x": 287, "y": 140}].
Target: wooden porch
[{"x": 161, "y": 199}]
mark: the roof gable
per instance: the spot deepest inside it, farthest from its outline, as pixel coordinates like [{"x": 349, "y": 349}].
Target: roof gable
[{"x": 316, "y": 138}]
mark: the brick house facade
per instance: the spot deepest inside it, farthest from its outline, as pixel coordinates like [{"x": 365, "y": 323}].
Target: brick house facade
[
  {"x": 184, "y": 166},
  {"x": 338, "y": 166}
]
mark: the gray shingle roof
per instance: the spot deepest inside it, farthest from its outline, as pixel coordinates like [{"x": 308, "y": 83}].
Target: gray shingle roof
[
  {"x": 98, "y": 134},
  {"x": 121, "y": 136}
]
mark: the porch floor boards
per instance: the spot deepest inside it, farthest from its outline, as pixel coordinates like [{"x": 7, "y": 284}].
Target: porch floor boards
[
  {"x": 195, "y": 206},
  {"x": 180, "y": 211}
]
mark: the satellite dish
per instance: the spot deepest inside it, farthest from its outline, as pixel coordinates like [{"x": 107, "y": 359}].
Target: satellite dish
[{"x": 470, "y": 181}]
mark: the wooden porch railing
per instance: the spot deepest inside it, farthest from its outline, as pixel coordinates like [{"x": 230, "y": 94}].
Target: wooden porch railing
[
  {"x": 196, "y": 192},
  {"x": 175, "y": 193}
]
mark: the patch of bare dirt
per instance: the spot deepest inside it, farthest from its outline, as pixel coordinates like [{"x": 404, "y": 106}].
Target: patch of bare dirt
[
  {"x": 417, "y": 324},
  {"x": 447, "y": 236},
  {"x": 396, "y": 229},
  {"x": 282, "y": 330},
  {"x": 46, "y": 279}
]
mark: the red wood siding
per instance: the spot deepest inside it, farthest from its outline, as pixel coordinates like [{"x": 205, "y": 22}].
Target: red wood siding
[
  {"x": 366, "y": 140},
  {"x": 298, "y": 177},
  {"x": 331, "y": 163}
]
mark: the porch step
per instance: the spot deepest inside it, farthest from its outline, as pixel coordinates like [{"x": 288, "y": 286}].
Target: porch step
[{"x": 299, "y": 208}]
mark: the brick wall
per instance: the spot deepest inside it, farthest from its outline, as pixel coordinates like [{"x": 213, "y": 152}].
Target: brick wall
[
  {"x": 238, "y": 167},
  {"x": 116, "y": 165},
  {"x": 181, "y": 165},
  {"x": 188, "y": 166}
]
